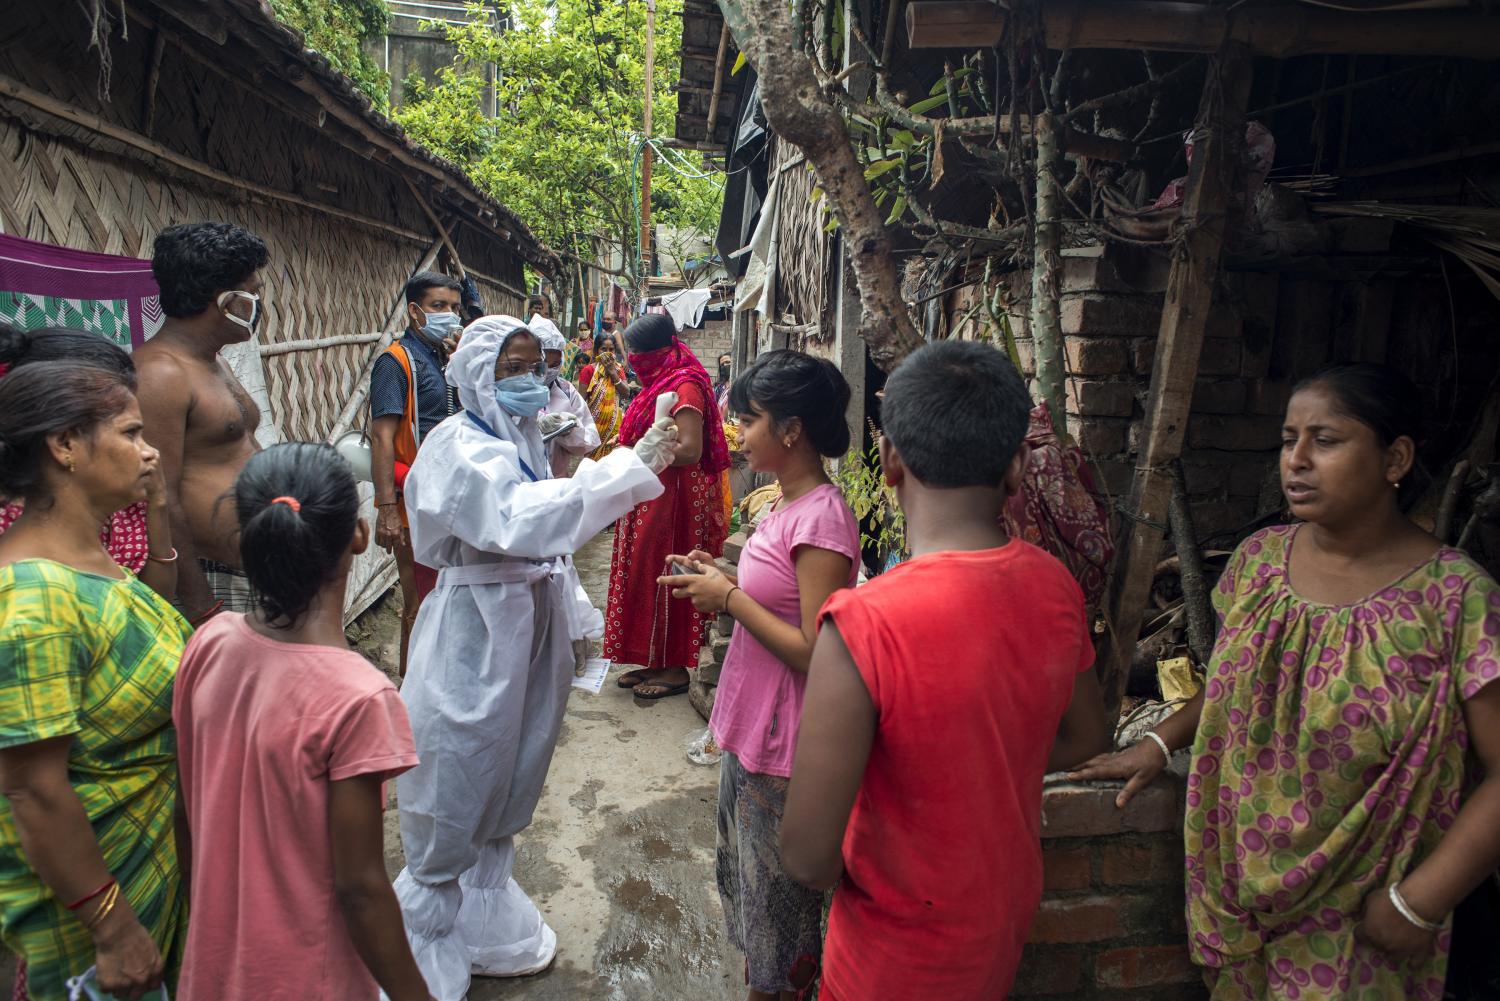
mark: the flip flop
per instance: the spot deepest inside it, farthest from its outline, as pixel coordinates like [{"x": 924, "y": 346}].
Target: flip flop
[
  {"x": 667, "y": 691},
  {"x": 632, "y": 678}
]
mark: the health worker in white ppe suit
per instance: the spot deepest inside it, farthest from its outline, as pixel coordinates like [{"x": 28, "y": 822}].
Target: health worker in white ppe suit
[
  {"x": 492, "y": 651},
  {"x": 565, "y": 438}
]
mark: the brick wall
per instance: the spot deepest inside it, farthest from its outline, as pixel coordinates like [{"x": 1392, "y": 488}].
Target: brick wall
[
  {"x": 1111, "y": 922},
  {"x": 713, "y": 340},
  {"x": 1110, "y": 312}
]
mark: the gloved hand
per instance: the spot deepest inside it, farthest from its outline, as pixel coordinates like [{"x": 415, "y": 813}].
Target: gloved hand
[
  {"x": 550, "y": 424},
  {"x": 658, "y": 446}
]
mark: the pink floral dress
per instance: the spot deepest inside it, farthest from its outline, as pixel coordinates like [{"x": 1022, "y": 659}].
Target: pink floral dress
[
  {"x": 1328, "y": 763},
  {"x": 124, "y": 535}
]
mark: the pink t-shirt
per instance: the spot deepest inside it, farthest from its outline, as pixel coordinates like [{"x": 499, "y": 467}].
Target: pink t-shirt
[
  {"x": 262, "y": 728},
  {"x": 758, "y": 707}
]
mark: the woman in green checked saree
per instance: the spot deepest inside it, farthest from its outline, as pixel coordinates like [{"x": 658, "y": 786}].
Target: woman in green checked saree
[{"x": 89, "y": 873}]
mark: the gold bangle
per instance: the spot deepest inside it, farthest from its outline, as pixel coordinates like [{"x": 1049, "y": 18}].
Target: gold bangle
[{"x": 105, "y": 907}]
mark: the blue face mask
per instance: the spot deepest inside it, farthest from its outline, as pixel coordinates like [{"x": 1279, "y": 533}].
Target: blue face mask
[
  {"x": 442, "y": 325},
  {"x": 522, "y": 395}
]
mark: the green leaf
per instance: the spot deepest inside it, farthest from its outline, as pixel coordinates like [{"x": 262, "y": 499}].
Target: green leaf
[
  {"x": 941, "y": 87},
  {"x": 903, "y": 140},
  {"x": 881, "y": 194},
  {"x": 739, "y": 64},
  {"x": 924, "y": 106},
  {"x": 897, "y": 210},
  {"x": 816, "y": 194},
  {"x": 862, "y": 123},
  {"x": 874, "y": 170},
  {"x": 832, "y": 224}
]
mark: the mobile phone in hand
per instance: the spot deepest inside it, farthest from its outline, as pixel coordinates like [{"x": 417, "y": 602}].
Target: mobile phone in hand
[{"x": 683, "y": 570}]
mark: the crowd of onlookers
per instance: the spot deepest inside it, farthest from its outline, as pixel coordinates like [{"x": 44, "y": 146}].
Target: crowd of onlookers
[{"x": 194, "y": 763}]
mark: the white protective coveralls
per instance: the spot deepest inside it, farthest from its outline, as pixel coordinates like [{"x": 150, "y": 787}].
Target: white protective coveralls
[
  {"x": 566, "y": 399},
  {"x": 491, "y": 662}
]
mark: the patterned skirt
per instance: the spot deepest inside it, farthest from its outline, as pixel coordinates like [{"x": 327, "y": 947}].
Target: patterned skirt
[{"x": 773, "y": 919}]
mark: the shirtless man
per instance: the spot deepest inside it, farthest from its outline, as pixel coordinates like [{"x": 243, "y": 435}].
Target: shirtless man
[{"x": 195, "y": 410}]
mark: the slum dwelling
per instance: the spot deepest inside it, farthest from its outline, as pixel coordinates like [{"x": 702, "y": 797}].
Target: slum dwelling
[
  {"x": 1167, "y": 214},
  {"x": 119, "y": 120}
]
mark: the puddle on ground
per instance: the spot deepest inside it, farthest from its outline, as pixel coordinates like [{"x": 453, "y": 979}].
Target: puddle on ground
[{"x": 661, "y": 941}]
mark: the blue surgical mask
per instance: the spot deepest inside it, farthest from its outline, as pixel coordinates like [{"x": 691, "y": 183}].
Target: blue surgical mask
[
  {"x": 442, "y": 325},
  {"x": 522, "y": 395},
  {"x": 553, "y": 374}
]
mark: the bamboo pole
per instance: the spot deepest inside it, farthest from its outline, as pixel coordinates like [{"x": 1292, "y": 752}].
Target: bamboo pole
[
  {"x": 289, "y": 347},
  {"x": 437, "y": 224},
  {"x": 713, "y": 102},
  {"x": 1208, "y": 206},
  {"x": 646, "y": 151}
]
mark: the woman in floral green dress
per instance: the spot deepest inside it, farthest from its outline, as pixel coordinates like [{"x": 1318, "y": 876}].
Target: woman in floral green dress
[{"x": 1330, "y": 829}]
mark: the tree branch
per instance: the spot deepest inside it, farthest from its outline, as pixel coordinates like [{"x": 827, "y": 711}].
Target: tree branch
[{"x": 803, "y": 113}]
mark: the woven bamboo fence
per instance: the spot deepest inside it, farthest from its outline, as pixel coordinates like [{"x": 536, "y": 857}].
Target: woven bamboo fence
[
  {"x": 803, "y": 248},
  {"x": 327, "y": 280}
]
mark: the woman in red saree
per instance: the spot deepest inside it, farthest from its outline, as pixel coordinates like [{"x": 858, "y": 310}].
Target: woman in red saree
[{"x": 643, "y": 625}]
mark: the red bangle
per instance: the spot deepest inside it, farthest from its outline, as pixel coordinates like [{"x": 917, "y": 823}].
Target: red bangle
[
  {"x": 217, "y": 607},
  {"x": 85, "y": 899}
]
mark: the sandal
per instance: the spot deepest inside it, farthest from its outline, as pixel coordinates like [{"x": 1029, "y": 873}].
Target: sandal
[
  {"x": 632, "y": 678},
  {"x": 664, "y": 692}
]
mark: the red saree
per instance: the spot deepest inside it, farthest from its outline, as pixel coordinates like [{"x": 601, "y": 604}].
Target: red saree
[{"x": 643, "y": 625}]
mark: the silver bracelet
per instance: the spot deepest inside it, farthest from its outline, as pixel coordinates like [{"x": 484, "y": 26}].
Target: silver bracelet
[
  {"x": 1401, "y": 905},
  {"x": 1165, "y": 750}
]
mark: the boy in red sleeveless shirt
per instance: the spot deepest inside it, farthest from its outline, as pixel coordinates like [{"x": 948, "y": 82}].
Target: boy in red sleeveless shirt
[{"x": 938, "y": 696}]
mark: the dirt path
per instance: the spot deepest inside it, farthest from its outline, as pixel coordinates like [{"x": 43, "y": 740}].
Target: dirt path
[{"x": 620, "y": 856}]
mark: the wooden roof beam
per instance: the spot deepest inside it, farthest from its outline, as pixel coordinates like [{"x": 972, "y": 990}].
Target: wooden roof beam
[{"x": 1160, "y": 25}]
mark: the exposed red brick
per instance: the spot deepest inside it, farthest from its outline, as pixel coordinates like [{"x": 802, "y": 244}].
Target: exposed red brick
[
  {"x": 1221, "y": 356},
  {"x": 1219, "y": 396},
  {"x": 1097, "y": 398},
  {"x": 1065, "y": 869},
  {"x": 1092, "y": 315},
  {"x": 1234, "y": 434},
  {"x": 1099, "y": 436},
  {"x": 1156, "y": 860},
  {"x": 1047, "y": 971},
  {"x": 1096, "y": 355},
  {"x": 1145, "y": 966},
  {"x": 1084, "y": 811},
  {"x": 1086, "y": 919}
]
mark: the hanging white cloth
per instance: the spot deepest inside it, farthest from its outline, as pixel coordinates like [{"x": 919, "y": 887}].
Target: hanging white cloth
[
  {"x": 686, "y": 307},
  {"x": 492, "y": 656}
]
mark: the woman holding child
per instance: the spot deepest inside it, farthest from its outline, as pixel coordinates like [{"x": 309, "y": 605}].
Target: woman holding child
[
  {"x": 792, "y": 408},
  {"x": 1330, "y": 830}
]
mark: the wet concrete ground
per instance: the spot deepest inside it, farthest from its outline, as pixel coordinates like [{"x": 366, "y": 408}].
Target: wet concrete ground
[{"x": 620, "y": 857}]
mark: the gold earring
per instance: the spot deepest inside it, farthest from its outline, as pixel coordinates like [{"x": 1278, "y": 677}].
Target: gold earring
[{"x": 71, "y": 467}]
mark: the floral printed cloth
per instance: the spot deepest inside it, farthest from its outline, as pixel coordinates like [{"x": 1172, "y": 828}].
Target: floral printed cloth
[{"x": 1328, "y": 763}]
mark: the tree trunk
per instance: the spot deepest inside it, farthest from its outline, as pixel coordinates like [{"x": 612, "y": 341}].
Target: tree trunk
[{"x": 800, "y": 113}]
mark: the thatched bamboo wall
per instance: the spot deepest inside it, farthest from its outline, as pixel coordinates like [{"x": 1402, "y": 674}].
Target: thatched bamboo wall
[
  {"x": 803, "y": 275},
  {"x": 337, "y": 263}
]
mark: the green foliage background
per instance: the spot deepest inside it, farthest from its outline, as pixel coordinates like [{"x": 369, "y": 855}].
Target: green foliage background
[
  {"x": 336, "y": 28},
  {"x": 563, "y": 149}
]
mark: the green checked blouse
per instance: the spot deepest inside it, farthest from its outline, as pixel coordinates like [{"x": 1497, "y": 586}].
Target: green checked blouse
[{"x": 93, "y": 657}]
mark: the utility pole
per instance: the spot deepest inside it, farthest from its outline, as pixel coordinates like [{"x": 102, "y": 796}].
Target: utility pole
[{"x": 646, "y": 150}]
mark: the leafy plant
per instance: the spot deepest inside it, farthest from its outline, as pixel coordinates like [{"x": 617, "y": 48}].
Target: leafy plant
[
  {"x": 563, "y": 151},
  {"x": 859, "y": 478},
  {"x": 336, "y": 28}
]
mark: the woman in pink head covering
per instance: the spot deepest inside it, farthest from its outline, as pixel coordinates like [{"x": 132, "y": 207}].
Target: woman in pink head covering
[{"x": 644, "y": 625}]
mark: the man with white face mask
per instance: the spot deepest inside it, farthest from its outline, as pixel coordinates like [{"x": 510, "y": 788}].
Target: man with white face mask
[
  {"x": 492, "y": 653},
  {"x": 567, "y": 424},
  {"x": 408, "y": 400},
  {"x": 195, "y": 411}
]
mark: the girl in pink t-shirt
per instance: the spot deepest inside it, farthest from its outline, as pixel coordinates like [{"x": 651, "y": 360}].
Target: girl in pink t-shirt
[
  {"x": 285, "y": 739},
  {"x": 792, "y": 410}
]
